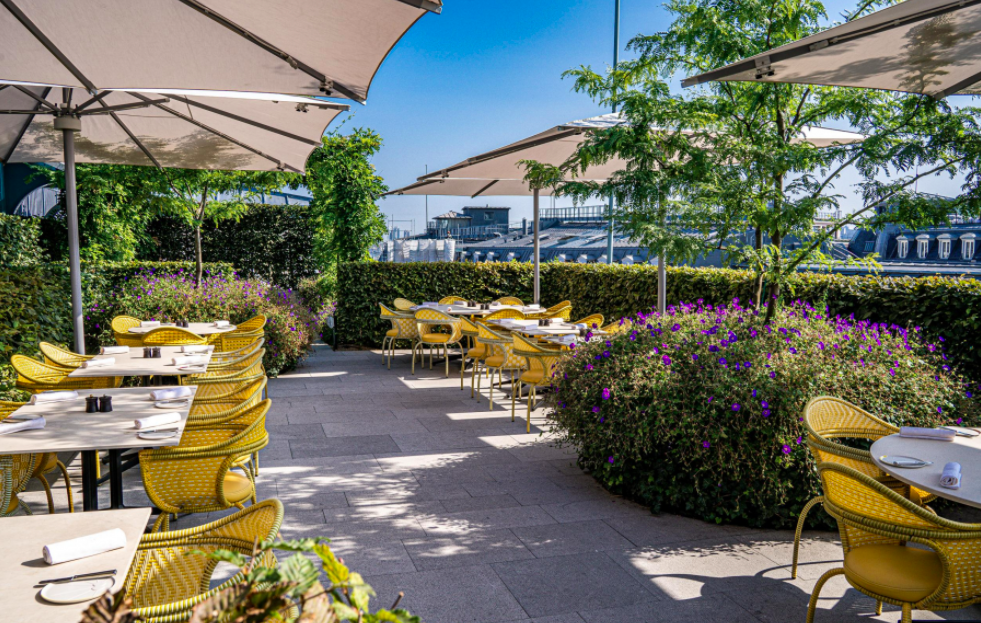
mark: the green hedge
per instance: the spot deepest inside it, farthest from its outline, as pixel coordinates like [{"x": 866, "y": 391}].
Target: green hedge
[
  {"x": 940, "y": 305},
  {"x": 269, "y": 242},
  {"x": 21, "y": 241}
]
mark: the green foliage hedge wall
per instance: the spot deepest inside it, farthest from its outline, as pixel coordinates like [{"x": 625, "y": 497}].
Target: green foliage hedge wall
[
  {"x": 940, "y": 305},
  {"x": 20, "y": 240}
]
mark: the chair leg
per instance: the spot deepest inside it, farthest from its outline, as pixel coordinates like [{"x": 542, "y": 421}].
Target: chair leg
[
  {"x": 513, "y": 392},
  {"x": 878, "y": 608},
  {"x": 907, "y": 613},
  {"x": 162, "y": 524},
  {"x": 463, "y": 366},
  {"x": 490, "y": 386},
  {"x": 812, "y": 605},
  {"x": 384, "y": 348},
  {"x": 68, "y": 487},
  {"x": 800, "y": 529},
  {"x": 47, "y": 493},
  {"x": 474, "y": 376},
  {"x": 446, "y": 359},
  {"x": 414, "y": 346}
]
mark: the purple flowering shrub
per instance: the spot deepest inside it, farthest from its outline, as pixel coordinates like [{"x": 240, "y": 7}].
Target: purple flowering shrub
[
  {"x": 700, "y": 411},
  {"x": 149, "y": 295}
]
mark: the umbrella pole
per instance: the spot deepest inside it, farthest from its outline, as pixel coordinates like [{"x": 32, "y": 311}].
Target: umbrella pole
[
  {"x": 68, "y": 126},
  {"x": 662, "y": 285},
  {"x": 537, "y": 265}
]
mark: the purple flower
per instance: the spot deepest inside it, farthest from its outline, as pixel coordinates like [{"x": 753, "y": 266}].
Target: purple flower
[
  {"x": 596, "y": 409},
  {"x": 694, "y": 357},
  {"x": 711, "y": 398},
  {"x": 706, "y": 444},
  {"x": 589, "y": 367},
  {"x": 754, "y": 394},
  {"x": 610, "y": 460},
  {"x": 736, "y": 407},
  {"x": 606, "y": 353},
  {"x": 675, "y": 327},
  {"x": 666, "y": 360},
  {"x": 722, "y": 361},
  {"x": 786, "y": 449},
  {"x": 764, "y": 404},
  {"x": 773, "y": 375},
  {"x": 766, "y": 413},
  {"x": 606, "y": 393}
]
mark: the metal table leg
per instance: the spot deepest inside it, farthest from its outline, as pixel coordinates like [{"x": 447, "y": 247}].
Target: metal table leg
[
  {"x": 90, "y": 485},
  {"x": 116, "y": 478}
]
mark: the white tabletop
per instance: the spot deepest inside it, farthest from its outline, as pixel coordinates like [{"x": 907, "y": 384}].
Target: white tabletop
[
  {"x": 530, "y": 327},
  {"x": 68, "y": 428},
  {"x": 198, "y": 328},
  {"x": 134, "y": 363},
  {"x": 22, "y": 565},
  {"x": 963, "y": 450},
  {"x": 466, "y": 310}
]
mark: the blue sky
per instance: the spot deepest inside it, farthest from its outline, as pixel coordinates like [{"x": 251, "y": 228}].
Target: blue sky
[{"x": 483, "y": 74}]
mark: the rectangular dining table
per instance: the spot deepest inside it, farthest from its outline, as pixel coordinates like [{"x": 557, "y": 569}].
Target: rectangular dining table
[
  {"x": 22, "y": 565},
  {"x": 197, "y": 328},
  {"x": 134, "y": 363},
  {"x": 467, "y": 310},
  {"x": 68, "y": 428}
]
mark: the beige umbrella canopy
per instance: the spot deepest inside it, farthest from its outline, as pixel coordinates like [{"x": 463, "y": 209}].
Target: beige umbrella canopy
[
  {"x": 917, "y": 46},
  {"x": 304, "y": 47}
]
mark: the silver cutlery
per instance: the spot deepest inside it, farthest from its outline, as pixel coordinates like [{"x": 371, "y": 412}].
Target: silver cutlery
[{"x": 80, "y": 576}]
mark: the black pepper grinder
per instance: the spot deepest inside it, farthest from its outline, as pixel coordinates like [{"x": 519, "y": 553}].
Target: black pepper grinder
[
  {"x": 147, "y": 352},
  {"x": 156, "y": 352},
  {"x": 105, "y": 404},
  {"x": 91, "y": 404}
]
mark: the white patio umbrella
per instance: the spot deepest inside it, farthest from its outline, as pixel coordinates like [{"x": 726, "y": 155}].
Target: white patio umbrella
[
  {"x": 917, "y": 46},
  {"x": 244, "y": 131},
  {"x": 499, "y": 172},
  {"x": 303, "y": 47}
]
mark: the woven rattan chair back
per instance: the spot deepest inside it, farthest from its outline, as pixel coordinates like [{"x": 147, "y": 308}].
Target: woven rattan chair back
[
  {"x": 592, "y": 321},
  {"x": 60, "y": 357},
  {"x": 510, "y": 300},
  {"x": 404, "y": 304},
  {"x": 452, "y": 300},
  {"x": 172, "y": 336}
]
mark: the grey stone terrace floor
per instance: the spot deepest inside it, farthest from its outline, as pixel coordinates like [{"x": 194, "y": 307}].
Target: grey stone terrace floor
[{"x": 425, "y": 491}]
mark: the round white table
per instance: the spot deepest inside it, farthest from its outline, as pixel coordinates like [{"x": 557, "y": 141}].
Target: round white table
[
  {"x": 198, "y": 328},
  {"x": 963, "y": 450}
]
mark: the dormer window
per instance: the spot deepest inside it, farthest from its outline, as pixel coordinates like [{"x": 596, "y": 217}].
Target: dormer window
[
  {"x": 902, "y": 247},
  {"x": 967, "y": 246},
  {"x": 943, "y": 246},
  {"x": 922, "y": 246}
]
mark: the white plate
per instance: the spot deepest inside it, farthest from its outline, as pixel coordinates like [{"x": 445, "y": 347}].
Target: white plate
[
  {"x": 157, "y": 436},
  {"x": 170, "y": 404},
  {"x": 962, "y": 432},
  {"x": 197, "y": 366},
  {"x": 905, "y": 462},
  {"x": 77, "y": 591}
]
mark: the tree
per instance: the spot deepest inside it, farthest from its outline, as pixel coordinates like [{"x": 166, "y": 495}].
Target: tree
[
  {"x": 345, "y": 189},
  {"x": 197, "y": 195},
  {"x": 709, "y": 165}
]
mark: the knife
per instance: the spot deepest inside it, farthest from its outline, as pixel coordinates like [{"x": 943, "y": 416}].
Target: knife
[{"x": 80, "y": 576}]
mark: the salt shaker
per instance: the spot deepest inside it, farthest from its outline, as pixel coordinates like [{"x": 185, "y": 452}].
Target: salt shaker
[
  {"x": 91, "y": 404},
  {"x": 105, "y": 404}
]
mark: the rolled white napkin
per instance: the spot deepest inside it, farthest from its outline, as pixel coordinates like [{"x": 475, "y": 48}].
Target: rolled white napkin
[
  {"x": 951, "y": 476},
  {"x": 171, "y": 393},
  {"x": 937, "y": 434},
  {"x": 535, "y": 306},
  {"x": 496, "y": 304},
  {"x": 430, "y": 304},
  {"x": 221, "y": 323},
  {"x": 99, "y": 363},
  {"x": 162, "y": 419},
  {"x": 114, "y": 350},
  {"x": 580, "y": 325},
  {"x": 188, "y": 360},
  {"x": 44, "y": 397},
  {"x": 19, "y": 425},
  {"x": 149, "y": 323},
  {"x": 84, "y": 546},
  {"x": 194, "y": 349}
]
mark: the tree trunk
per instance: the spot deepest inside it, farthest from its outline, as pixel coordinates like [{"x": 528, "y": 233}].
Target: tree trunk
[
  {"x": 775, "y": 291},
  {"x": 758, "y": 290},
  {"x": 198, "y": 257}
]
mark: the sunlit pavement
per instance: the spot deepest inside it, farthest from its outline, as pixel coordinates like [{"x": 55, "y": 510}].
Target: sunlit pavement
[{"x": 425, "y": 491}]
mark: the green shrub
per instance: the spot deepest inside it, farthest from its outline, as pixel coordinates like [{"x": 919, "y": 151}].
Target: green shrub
[
  {"x": 700, "y": 412},
  {"x": 317, "y": 294},
  {"x": 21, "y": 241},
  {"x": 168, "y": 296}
]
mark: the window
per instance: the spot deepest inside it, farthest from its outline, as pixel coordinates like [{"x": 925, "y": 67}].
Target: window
[
  {"x": 869, "y": 246},
  {"x": 922, "y": 246},
  {"x": 902, "y": 247},
  {"x": 967, "y": 246},
  {"x": 943, "y": 246},
  {"x": 488, "y": 216}
]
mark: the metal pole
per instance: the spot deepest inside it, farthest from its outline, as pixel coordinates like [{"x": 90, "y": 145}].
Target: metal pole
[
  {"x": 616, "y": 61},
  {"x": 536, "y": 259},
  {"x": 662, "y": 285},
  {"x": 68, "y": 126},
  {"x": 427, "y": 207}
]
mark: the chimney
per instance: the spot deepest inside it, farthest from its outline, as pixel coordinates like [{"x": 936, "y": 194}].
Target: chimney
[{"x": 524, "y": 227}]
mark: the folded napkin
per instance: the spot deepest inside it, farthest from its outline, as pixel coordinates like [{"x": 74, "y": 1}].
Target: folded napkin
[
  {"x": 99, "y": 363},
  {"x": 162, "y": 419},
  {"x": 937, "y": 434},
  {"x": 194, "y": 349},
  {"x": 430, "y": 304},
  {"x": 150, "y": 323},
  {"x": 84, "y": 546},
  {"x": 951, "y": 476},
  {"x": 536, "y": 306},
  {"x": 19, "y": 425},
  {"x": 44, "y": 397},
  {"x": 188, "y": 360},
  {"x": 171, "y": 393},
  {"x": 221, "y": 323},
  {"x": 114, "y": 350},
  {"x": 580, "y": 325}
]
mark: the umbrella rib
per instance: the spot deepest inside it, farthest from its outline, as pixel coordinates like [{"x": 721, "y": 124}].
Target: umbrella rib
[
  {"x": 218, "y": 133},
  {"x": 504, "y": 151},
  {"x": 483, "y": 189},
  {"x": 47, "y": 43},
  {"x": 252, "y": 122},
  {"x": 327, "y": 84},
  {"x": 132, "y": 137},
  {"x": 777, "y": 57},
  {"x": 432, "y": 7},
  {"x": 34, "y": 96},
  {"x": 121, "y": 107},
  {"x": 23, "y": 130},
  {"x": 87, "y": 103},
  {"x": 954, "y": 88}
]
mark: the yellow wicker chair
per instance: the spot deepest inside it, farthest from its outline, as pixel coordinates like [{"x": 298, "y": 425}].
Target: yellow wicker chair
[
  {"x": 197, "y": 476},
  {"x": 452, "y": 300},
  {"x": 875, "y": 524},
  {"x": 227, "y": 371},
  {"x": 619, "y": 326},
  {"x": 41, "y": 464},
  {"x": 61, "y": 358},
  {"x": 214, "y": 386},
  {"x": 510, "y": 300},
  {"x": 561, "y": 310},
  {"x": 539, "y": 366},
  {"x": 403, "y": 328},
  {"x": 233, "y": 396},
  {"x": 499, "y": 357},
  {"x": 167, "y": 578},
  {"x": 16, "y": 470},
  {"x": 243, "y": 334},
  {"x": 36, "y": 376},
  {"x": 228, "y": 410},
  {"x": 512, "y": 314},
  {"x": 120, "y": 331},
  {"x": 592, "y": 321},
  {"x": 247, "y": 349},
  {"x": 172, "y": 336},
  {"x": 404, "y": 304},
  {"x": 476, "y": 352},
  {"x": 428, "y": 319},
  {"x": 827, "y": 419}
]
